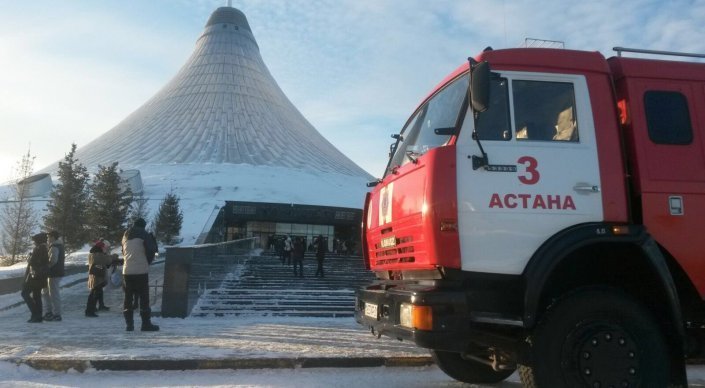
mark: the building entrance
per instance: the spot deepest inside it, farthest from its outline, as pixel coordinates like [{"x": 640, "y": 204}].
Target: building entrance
[{"x": 271, "y": 222}]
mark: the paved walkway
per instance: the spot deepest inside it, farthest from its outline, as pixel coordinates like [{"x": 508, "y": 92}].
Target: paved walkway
[{"x": 193, "y": 343}]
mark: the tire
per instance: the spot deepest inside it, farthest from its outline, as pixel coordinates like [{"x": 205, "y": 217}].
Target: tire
[
  {"x": 597, "y": 337},
  {"x": 467, "y": 371}
]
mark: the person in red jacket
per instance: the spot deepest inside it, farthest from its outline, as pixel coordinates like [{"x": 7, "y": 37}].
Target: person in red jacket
[{"x": 99, "y": 260}]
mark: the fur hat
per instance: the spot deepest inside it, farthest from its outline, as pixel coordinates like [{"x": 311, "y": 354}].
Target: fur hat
[
  {"x": 140, "y": 223},
  {"x": 40, "y": 238}
]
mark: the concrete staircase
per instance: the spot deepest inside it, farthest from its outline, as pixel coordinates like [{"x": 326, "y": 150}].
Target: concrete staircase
[{"x": 263, "y": 286}]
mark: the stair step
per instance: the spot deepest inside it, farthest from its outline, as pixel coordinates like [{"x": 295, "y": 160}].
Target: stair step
[{"x": 266, "y": 287}]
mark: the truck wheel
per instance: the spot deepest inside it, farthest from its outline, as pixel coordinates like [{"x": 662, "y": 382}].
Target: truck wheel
[
  {"x": 597, "y": 337},
  {"x": 467, "y": 371}
]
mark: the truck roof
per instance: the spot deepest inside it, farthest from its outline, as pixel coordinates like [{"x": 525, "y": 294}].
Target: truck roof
[
  {"x": 580, "y": 62},
  {"x": 535, "y": 59},
  {"x": 545, "y": 60},
  {"x": 656, "y": 68}
]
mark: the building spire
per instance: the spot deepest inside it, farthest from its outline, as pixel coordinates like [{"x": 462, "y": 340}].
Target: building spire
[{"x": 230, "y": 3}]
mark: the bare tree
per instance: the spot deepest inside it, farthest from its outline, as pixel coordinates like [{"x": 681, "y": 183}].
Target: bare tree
[{"x": 18, "y": 218}]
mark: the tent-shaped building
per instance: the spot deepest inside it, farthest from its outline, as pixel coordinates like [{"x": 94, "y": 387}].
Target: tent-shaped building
[{"x": 243, "y": 160}]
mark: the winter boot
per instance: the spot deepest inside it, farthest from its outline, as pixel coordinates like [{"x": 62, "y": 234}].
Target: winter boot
[
  {"x": 90, "y": 305},
  {"x": 129, "y": 322},
  {"x": 147, "y": 322}
]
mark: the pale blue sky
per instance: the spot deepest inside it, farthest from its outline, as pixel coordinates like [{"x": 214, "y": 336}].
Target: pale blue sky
[{"x": 71, "y": 70}]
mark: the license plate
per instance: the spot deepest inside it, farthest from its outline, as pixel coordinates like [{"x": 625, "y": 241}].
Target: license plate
[
  {"x": 388, "y": 242},
  {"x": 371, "y": 310}
]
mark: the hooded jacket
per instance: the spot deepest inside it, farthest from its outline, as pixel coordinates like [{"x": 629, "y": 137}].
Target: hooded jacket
[{"x": 136, "y": 245}]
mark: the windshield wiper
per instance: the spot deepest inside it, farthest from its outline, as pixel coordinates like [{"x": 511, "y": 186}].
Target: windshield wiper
[{"x": 393, "y": 169}]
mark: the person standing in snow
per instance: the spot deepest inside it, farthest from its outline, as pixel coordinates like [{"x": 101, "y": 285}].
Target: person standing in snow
[
  {"x": 288, "y": 246},
  {"x": 35, "y": 277},
  {"x": 50, "y": 294},
  {"x": 99, "y": 260},
  {"x": 106, "y": 277},
  {"x": 138, "y": 249},
  {"x": 320, "y": 254},
  {"x": 298, "y": 256}
]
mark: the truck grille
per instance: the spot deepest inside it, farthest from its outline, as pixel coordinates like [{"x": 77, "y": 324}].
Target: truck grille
[{"x": 402, "y": 252}]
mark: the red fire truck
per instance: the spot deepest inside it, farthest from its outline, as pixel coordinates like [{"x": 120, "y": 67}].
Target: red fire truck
[{"x": 541, "y": 211}]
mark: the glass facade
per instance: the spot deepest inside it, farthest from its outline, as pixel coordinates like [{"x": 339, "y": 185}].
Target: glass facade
[{"x": 270, "y": 222}]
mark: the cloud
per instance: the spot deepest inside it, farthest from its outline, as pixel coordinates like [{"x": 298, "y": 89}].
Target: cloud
[{"x": 355, "y": 69}]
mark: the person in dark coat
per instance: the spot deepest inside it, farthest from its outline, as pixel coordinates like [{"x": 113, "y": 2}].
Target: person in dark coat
[
  {"x": 50, "y": 294},
  {"x": 139, "y": 249},
  {"x": 35, "y": 277},
  {"x": 298, "y": 256},
  {"x": 99, "y": 260},
  {"x": 320, "y": 254}
]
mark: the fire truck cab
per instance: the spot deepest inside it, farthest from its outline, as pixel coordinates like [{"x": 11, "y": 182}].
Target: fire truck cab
[{"x": 541, "y": 212}]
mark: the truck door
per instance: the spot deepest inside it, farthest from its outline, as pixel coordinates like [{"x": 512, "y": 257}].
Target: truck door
[{"x": 543, "y": 172}]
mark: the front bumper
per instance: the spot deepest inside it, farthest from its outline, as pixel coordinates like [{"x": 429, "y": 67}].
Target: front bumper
[{"x": 451, "y": 318}]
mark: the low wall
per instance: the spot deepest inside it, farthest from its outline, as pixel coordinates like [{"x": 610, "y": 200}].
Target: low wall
[
  {"x": 189, "y": 270},
  {"x": 10, "y": 285}
]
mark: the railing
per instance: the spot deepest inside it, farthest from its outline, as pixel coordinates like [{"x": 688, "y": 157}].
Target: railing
[
  {"x": 208, "y": 226},
  {"x": 621, "y": 50},
  {"x": 188, "y": 271}
]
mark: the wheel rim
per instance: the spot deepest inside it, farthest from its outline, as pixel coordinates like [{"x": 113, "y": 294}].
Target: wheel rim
[{"x": 601, "y": 355}]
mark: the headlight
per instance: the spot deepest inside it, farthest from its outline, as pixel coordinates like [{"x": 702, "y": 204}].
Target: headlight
[{"x": 416, "y": 317}]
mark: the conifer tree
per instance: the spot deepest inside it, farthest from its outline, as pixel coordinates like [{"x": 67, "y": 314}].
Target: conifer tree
[
  {"x": 18, "y": 218},
  {"x": 167, "y": 222},
  {"x": 109, "y": 204},
  {"x": 67, "y": 207}
]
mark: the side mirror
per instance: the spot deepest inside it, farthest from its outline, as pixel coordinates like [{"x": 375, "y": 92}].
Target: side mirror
[{"x": 479, "y": 86}]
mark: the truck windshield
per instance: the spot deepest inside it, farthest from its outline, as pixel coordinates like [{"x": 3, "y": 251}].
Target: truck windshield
[{"x": 441, "y": 111}]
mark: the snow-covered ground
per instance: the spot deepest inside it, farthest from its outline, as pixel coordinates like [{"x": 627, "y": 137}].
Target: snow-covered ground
[
  {"x": 209, "y": 338},
  {"x": 420, "y": 377}
]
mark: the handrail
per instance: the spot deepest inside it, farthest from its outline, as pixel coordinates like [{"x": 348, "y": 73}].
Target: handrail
[
  {"x": 620, "y": 50},
  {"x": 216, "y": 244}
]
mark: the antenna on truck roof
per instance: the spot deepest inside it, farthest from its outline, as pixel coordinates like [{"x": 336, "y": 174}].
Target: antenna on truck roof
[{"x": 621, "y": 50}]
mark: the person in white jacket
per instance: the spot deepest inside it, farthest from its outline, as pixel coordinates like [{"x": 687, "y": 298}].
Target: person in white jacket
[
  {"x": 288, "y": 247},
  {"x": 50, "y": 294},
  {"x": 138, "y": 249}
]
